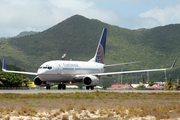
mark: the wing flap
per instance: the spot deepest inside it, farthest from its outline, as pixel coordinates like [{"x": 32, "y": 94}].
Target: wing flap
[
  {"x": 126, "y": 72},
  {"x": 122, "y": 72},
  {"x": 112, "y": 65}
]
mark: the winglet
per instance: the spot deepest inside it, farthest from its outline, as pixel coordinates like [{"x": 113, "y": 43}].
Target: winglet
[
  {"x": 4, "y": 65},
  {"x": 174, "y": 63}
]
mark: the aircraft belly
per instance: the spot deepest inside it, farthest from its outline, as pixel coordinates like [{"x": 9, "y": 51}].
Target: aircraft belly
[{"x": 56, "y": 78}]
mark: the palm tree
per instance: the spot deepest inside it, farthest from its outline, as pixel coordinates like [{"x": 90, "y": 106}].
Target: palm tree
[
  {"x": 169, "y": 84},
  {"x": 178, "y": 84},
  {"x": 1, "y": 83},
  {"x": 143, "y": 80},
  {"x": 152, "y": 82}
]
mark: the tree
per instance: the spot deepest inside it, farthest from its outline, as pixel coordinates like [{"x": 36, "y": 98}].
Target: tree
[
  {"x": 143, "y": 80},
  {"x": 141, "y": 87},
  {"x": 1, "y": 83},
  {"x": 178, "y": 84},
  {"x": 12, "y": 79},
  {"x": 152, "y": 82},
  {"x": 169, "y": 84}
]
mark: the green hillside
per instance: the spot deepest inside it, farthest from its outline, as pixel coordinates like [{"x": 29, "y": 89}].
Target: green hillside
[
  {"x": 26, "y": 33},
  {"x": 78, "y": 37}
]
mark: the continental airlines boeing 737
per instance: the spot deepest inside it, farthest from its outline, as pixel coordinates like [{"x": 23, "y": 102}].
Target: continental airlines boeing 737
[{"x": 89, "y": 72}]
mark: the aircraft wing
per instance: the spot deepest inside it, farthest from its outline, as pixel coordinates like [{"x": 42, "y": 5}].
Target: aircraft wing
[
  {"x": 112, "y": 65},
  {"x": 20, "y": 72},
  {"x": 126, "y": 72}
]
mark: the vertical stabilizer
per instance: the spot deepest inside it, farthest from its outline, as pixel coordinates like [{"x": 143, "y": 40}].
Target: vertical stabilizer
[
  {"x": 4, "y": 65},
  {"x": 100, "y": 52}
]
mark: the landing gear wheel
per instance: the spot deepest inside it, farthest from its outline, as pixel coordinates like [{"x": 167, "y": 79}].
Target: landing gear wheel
[
  {"x": 59, "y": 86},
  {"x": 87, "y": 87},
  {"x": 92, "y": 87},
  {"x": 48, "y": 87},
  {"x": 63, "y": 86}
]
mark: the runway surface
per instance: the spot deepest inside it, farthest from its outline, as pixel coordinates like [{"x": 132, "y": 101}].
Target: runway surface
[{"x": 74, "y": 91}]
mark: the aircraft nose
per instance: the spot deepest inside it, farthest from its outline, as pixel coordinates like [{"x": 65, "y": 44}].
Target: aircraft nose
[{"x": 41, "y": 71}]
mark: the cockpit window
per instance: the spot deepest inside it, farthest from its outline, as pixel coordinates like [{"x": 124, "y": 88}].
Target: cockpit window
[{"x": 49, "y": 67}]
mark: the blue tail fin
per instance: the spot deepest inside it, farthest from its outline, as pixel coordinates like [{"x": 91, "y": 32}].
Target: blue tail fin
[
  {"x": 100, "y": 52},
  {"x": 4, "y": 65}
]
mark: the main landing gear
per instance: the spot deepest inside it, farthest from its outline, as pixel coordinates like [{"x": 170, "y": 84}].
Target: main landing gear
[
  {"x": 89, "y": 87},
  {"x": 48, "y": 87},
  {"x": 61, "y": 86}
]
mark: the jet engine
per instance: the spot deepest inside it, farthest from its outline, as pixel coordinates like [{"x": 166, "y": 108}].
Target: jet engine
[
  {"x": 38, "y": 81},
  {"x": 90, "y": 80}
]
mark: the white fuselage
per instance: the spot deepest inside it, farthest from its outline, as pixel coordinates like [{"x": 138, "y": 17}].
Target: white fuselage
[{"x": 65, "y": 71}]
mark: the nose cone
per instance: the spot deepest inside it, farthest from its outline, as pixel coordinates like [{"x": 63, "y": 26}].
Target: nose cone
[{"x": 41, "y": 71}]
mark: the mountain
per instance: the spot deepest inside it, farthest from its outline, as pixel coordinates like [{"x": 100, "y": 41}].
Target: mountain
[
  {"x": 78, "y": 37},
  {"x": 22, "y": 34},
  {"x": 2, "y": 38},
  {"x": 26, "y": 33}
]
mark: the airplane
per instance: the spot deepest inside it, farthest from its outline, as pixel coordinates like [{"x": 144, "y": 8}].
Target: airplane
[{"x": 86, "y": 72}]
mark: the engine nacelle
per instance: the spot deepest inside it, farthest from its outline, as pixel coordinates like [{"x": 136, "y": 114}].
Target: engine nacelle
[
  {"x": 90, "y": 80},
  {"x": 38, "y": 81}
]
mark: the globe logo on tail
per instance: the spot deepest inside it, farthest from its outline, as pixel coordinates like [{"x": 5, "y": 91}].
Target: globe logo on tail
[{"x": 100, "y": 54}]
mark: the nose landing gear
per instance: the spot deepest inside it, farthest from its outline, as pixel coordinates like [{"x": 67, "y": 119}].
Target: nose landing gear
[{"x": 89, "y": 87}]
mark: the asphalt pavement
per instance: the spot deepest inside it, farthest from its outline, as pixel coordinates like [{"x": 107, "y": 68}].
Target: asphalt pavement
[{"x": 74, "y": 91}]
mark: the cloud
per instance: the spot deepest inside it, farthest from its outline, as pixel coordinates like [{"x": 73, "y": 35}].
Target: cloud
[
  {"x": 168, "y": 15},
  {"x": 18, "y": 15},
  {"x": 25, "y": 15},
  {"x": 135, "y": 22}
]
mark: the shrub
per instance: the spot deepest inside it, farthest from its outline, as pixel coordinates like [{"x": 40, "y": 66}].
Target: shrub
[
  {"x": 27, "y": 111},
  {"x": 62, "y": 110},
  {"x": 141, "y": 87},
  {"x": 65, "y": 117},
  {"x": 92, "y": 111},
  {"x": 75, "y": 116},
  {"x": 69, "y": 108}
]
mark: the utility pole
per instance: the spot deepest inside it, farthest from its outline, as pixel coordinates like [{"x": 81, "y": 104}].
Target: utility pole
[
  {"x": 177, "y": 79},
  {"x": 121, "y": 76},
  {"x": 147, "y": 75},
  {"x": 118, "y": 78},
  {"x": 165, "y": 76}
]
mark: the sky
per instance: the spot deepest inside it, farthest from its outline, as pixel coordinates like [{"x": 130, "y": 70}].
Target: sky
[{"x": 38, "y": 15}]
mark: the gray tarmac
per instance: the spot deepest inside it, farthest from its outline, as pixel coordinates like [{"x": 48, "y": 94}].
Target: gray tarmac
[{"x": 74, "y": 91}]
